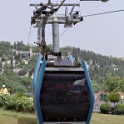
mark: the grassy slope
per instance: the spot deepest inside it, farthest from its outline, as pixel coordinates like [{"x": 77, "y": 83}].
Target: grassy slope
[
  {"x": 107, "y": 119},
  {"x": 8, "y": 117}
]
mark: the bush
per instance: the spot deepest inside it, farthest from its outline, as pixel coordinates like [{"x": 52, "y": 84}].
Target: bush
[
  {"x": 10, "y": 104},
  {"x": 105, "y": 108},
  {"x": 114, "y": 97},
  {"x": 3, "y": 99},
  {"x": 112, "y": 110},
  {"x": 119, "y": 109},
  {"x": 22, "y": 72},
  {"x": 18, "y": 102}
]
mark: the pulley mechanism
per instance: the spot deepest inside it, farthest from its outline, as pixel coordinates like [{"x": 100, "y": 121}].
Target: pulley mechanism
[{"x": 44, "y": 15}]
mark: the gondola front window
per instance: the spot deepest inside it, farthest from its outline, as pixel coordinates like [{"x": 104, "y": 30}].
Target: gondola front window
[{"x": 65, "y": 97}]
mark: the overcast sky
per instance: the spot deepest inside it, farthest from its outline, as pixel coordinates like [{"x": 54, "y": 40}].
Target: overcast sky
[{"x": 102, "y": 34}]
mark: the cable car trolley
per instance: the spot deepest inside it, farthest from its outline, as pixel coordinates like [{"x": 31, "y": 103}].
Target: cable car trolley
[{"x": 62, "y": 88}]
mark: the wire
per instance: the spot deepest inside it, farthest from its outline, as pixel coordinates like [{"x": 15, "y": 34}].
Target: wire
[
  {"x": 63, "y": 32},
  {"x": 109, "y": 12},
  {"x": 29, "y": 34}
]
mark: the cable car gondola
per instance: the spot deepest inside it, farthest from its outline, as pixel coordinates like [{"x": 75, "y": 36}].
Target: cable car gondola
[
  {"x": 62, "y": 93},
  {"x": 62, "y": 90}
]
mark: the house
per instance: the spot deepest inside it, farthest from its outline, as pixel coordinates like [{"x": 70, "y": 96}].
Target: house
[{"x": 26, "y": 54}]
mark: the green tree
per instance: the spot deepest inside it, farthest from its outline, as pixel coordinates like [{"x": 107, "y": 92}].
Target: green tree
[
  {"x": 96, "y": 87},
  {"x": 121, "y": 85},
  {"x": 112, "y": 84},
  {"x": 22, "y": 72},
  {"x": 35, "y": 49},
  {"x": 7, "y": 66},
  {"x": 19, "y": 45},
  {"x": 114, "y": 97},
  {"x": 0, "y": 64},
  {"x": 5, "y": 48}
]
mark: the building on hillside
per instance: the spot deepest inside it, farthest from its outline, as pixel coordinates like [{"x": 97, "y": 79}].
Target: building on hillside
[
  {"x": 99, "y": 100},
  {"x": 26, "y": 54},
  {"x": 121, "y": 97},
  {"x": 122, "y": 58}
]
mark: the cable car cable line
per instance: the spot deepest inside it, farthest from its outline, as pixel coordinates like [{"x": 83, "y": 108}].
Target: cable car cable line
[
  {"x": 102, "y": 13},
  {"x": 29, "y": 34},
  {"x": 95, "y": 14},
  {"x": 63, "y": 32}
]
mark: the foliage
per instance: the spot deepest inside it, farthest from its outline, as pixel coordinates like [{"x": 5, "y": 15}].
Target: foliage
[
  {"x": 18, "y": 102},
  {"x": 114, "y": 97},
  {"x": 99, "y": 66},
  {"x": 104, "y": 97},
  {"x": 5, "y": 48},
  {"x": 112, "y": 83},
  {"x": 22, "y": 63},
  {"x": 35, "y": 49},
  {"x": 119, "y": 109},
  {"x": 15, "y": 83},
  {"x": 21, "y": 89},
  {"x": 19, "y": 45},
  {"x": 105, "y": 108},
  {"x": 121, "y": 84},
  {"x": 7, "y": 66},
  {"x": 3, "y": 99},
  {"x": 22, "y": 72},
  {"x": 106, "y": 70},
  {"x": 96, "y": 87}
]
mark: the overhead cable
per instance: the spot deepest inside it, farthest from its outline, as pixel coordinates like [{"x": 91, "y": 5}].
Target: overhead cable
[
  {"x": 63, "y": 32},
  {"x": 29, "y": 34},
  {"x": 109, "y": 12}
]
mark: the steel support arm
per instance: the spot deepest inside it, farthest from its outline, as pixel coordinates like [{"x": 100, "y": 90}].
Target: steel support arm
[
  {"x": 95, "y": 0},
  {"x": 65, "y": 4}
]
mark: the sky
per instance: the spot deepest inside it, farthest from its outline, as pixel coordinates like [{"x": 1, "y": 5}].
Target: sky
[{"x": 103, "y": 34}]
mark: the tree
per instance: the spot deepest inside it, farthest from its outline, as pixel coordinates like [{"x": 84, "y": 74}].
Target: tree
[
  {"x": 5, "y": 48},
  {"x": 1, "y": 64},
  {"x": 22, "y": 72},
  {"x": 112, "y": 84},
  {"x": 114, "y": 97},
  {"x": 121, "y": 85},
  {"x": 7, "y": 66},
  {"x": 96, "y": 87},
  {"x": 19, "y": 45},
  {"x": 21, "y": 89}
]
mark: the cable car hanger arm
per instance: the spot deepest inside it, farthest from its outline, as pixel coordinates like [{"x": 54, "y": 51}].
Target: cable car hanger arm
[{"x": 44, "y": 12}]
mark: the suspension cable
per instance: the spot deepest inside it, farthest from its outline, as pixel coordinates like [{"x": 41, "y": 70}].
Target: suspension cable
[
  {"x": 109, "y": 12},
  {"x": 29, "y": 34},
  {"x": 63, "y": 32}
]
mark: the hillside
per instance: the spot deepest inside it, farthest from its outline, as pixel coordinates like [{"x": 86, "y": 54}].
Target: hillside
[
  {"x": 99, "y": 66},
  {"x": 16, "y": 71}
]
